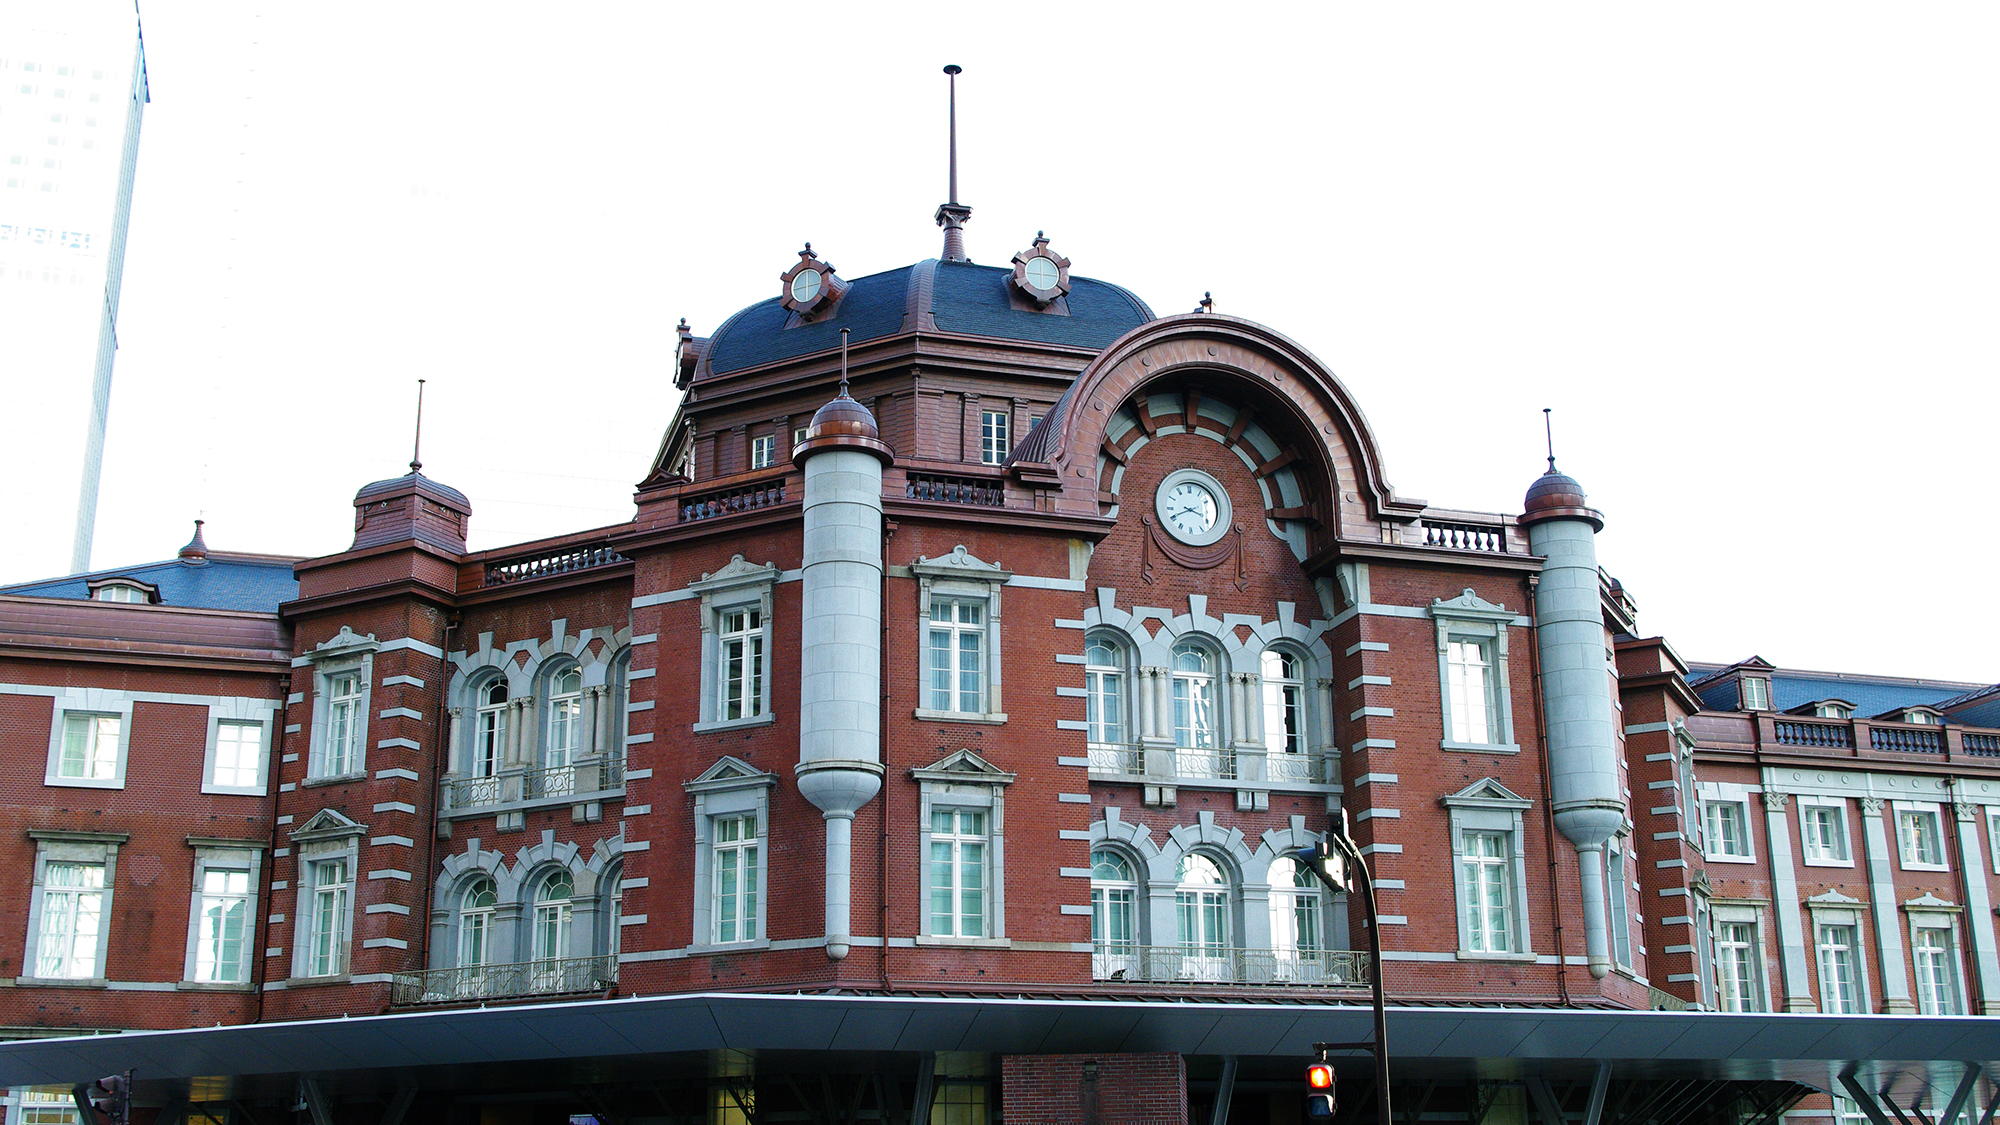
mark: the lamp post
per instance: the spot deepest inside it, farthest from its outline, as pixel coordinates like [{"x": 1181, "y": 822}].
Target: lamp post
[{"x": 1336, "y": 862}]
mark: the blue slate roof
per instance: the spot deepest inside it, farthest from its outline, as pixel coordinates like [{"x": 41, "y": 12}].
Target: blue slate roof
[
  {"x": 1871, "y": 695},
  {"x": 954, "y": 297},
  {"x": 253, "y": 583}
]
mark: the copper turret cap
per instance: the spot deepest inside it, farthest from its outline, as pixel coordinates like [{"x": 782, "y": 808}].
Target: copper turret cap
[
  {"x": 196, "y": 550},
  {"x": 842, "y": 424},
  {"x": 1556, "y": 495}
]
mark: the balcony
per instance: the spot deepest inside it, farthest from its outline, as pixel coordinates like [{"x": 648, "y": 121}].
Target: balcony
[
  {"x": 1858, "y": 737},
  {"x": 566, "y": 976},
  {"x": 1270, "y": 968},
  {"x": 589, "y": 779},
  {"x": 1214, "y": 764}
]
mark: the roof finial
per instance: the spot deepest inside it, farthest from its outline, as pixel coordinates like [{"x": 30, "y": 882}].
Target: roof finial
[
  {"x": 843, "y": 363},
  {"x": 951, "y": 214},
  {"x": 1548, "y": 431},
  {"x": 417, "y": 442},
  {"x": 196, "y": 550},
  {"x": 1207, "y": 304}
]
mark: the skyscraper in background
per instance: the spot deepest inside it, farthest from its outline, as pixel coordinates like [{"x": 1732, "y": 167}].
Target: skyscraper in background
[{"x": 72, "y": 92}]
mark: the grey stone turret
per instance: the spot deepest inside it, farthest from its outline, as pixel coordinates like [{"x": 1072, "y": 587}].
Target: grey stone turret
[{"x": 1576, "y": 697}]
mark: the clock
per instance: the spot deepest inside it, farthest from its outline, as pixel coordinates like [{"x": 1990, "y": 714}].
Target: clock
[{"x": 1192, "y": 506}]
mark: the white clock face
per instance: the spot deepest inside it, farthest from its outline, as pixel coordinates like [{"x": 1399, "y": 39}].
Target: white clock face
[{"x": 1193, "y": 507}]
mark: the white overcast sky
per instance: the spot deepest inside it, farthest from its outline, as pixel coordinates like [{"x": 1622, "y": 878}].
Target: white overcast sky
[{"x": 1747, "y": 251}]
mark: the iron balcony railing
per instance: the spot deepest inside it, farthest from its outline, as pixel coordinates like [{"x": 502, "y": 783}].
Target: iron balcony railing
[
  {"x": 552, "y": 977},
  {"x": 549, "y": 782},
  {"x": 1205, "y": 964}
]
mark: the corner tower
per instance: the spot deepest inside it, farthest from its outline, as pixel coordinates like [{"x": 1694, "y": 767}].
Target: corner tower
[
  {"x": 1569, "y": 635},
  {"x": 840, "y": 679}
]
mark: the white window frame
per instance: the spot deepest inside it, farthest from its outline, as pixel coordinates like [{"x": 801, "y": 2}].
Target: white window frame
[
  {"x": 1810, "y": 854},
  {"x": 960, "y": 577},
  {"x": 89, "y": 703},
  {"x": 1758, "y": 979},
  {"x": 1281, "y": 695},
  {"x": 489, "y": 726},
  {"x": 1112, "y": 951},
  {"x": 98, "y": 849},
  {"x": 1183, "y": 686},
  {"x": 1753, "y": 693},
  {"x": 763, "y": 449},
  {"x": 562, "y": 714},
  {"x": 996, "y": 428},
  {"x": 244, "y": 856},
  {"x": 346, "y": 652},
  {"x": 121, "y": 593},
  {"x": 239, "y": 712},
  {"x": 1470, "y": 619},
  {"x": 1831, "y": 911},
  {"x": 1993, "y": 835},
  {"x": 1718, "y": 849},
  {"x": 1107, "y": 682},
  {"x": 1914, "y": 814},
  {"x": 730, "y": 788},
  {"x": 1205, "y": 952},
  {"x": 328, "y": 836},
  {"x": 1486, "y": 806},
  {"x": 737, "y": 586},
  {"x": 1928, "y": 914},
  {"x": 965, "y": 782}
]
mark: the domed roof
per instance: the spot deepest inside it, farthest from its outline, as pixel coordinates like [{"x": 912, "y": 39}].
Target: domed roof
[
  {"x": 1556, "y": 495},
  {"x": 409, "y": 481},
  {"x": 842, "y": 424},
  {"x": 931, "y": 296}
]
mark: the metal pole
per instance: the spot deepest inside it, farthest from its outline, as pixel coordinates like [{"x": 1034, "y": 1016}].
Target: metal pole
[{"x": 1382, "y": 1115}]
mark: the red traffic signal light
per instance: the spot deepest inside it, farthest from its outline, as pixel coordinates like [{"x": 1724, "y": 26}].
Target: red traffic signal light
[
  {"x": 112, "y": 1096},
  {"x": 1319, "y": 1092}
]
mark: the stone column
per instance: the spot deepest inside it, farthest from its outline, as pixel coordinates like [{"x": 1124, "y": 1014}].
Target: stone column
[
  {"x": 1785, "y": 903},
  {"x": 1978, "y": 908},
  {"x": 1894, "y": 967}
]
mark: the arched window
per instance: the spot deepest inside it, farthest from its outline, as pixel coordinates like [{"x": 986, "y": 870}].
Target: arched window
[
  {"x": 1288, "y": 751},
  {"x": 1298, "y": 915},
  {"x": 489, "y": 729},
  {"x": 1201, "y": 917},
  {"x": 1195, "y": 718},
  {"x": 550, "y": 928},
  {"x": 1105, "y": 705},
  {"x": 612, "y": 906},
  {"x": 565, "y": 735},
  {"x": 475, "y": 922},
  {"x": 1114, "y": 930}
]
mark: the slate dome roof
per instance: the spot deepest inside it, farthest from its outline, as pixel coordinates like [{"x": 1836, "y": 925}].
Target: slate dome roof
[{"x": 959, "y": 298}]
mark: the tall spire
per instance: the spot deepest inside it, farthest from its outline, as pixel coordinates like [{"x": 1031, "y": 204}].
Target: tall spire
[
  {"x": 1549, "y": 432},
  {"x": 951, "y": 214},
  {"x": 417, "y": 439}
]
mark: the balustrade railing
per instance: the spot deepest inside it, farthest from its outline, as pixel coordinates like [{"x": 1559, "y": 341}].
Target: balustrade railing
[
  {"x": 1906, "y": 740},
  {"x": 547, "y": 782},
  {"x": 1117, "y": 760},
  {"x": 566, "y": 560},
  {"x": 551, "y": 977},
  {"x": 1465, "y": 536},
  {"x": 1829, "y": 736},
  {"x": 471, "y": 792},
  {"x": 1282, "y": 766},
  {"x": 974, "y": 491},
  {"x": 1205, "y": 763},
  {"x": 729, "y": 501},
  {"x": 1319, "y": 968},
  {"x": 1982, "y": 745}
]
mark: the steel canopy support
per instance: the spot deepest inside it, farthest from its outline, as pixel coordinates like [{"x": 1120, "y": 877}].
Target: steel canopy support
[
  {"x": 1600, "y": 1085},
  {"x": 1225, "y": 1092},
  {"x": 313, "y": 1101}
]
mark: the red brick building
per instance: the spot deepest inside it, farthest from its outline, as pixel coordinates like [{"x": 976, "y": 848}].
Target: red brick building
[{"x": 980, "y": 650}]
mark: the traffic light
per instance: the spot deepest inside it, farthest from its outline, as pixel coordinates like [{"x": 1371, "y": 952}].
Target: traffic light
[
  {"x": 1319, "y": 1092},
  {"x": 111, "y": 1096}
]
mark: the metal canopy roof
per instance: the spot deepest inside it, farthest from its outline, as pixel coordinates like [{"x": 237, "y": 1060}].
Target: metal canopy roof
[{"x": 614, "y": 1040}]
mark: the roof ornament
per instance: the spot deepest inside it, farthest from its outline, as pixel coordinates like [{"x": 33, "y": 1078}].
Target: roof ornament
[
  {"x": 196, "y": 550},
  {"x": 1548, "y": 431},
  {"x": 417, "y": 442},
  {"x": 1207, "y": 303},
  {"x": 951, "y": 215},
  {"x": 843, "y": 364}
]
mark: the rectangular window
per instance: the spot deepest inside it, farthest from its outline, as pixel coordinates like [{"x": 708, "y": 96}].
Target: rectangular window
[
  {"x": 47, "y": 1105},
  {"x": 1469, "y": 667},
  {"x": 761, "y": 449},
  {"x": 1920, "y": 837},
  {"x": 1754, "y": 693},
  {"x": 734, "y": 863},
  {"x": 1993, "y": 837},
  {"x": 223, "y": 927},
  {"x": 1739, "y": 967},
  {"x": 958, "y": 872},
  {"x": 1621, "y": 911},
  {"x": 73, "y": 908},
  {"x": 1104, "y": 704},
  {"x": 742, "y": 641},
  {"x": 239, "y": 755},
  {"x": 1937, "y": 971},
  {"x": 340, "y": 750},
  {"x": 993, "y": 441},
  {"x": 1823, "y": 832},
  {"x": 89, "y": 747},
  {"x": 1840, "y": 969},
  {"x": 798, "y": 435},
  {"x": 326, "y": 925},
  {"x": 954, "y": 656},
  {"x": 1728, "y": 830},
  {"x": 1486, "y": 881}
]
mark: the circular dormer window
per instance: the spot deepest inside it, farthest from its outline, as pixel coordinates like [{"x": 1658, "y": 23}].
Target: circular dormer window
[
  {"x": 805, "y": 286},
  {"x": 1041, "y": 274},
  {"x": 810, "y": 285}
]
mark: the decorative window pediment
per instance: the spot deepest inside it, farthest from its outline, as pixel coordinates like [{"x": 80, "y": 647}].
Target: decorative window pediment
[
  {"x": 1469, "y": 604},
  {"x": 328, "y": 824},
  {"x": 344, "y": 644},
  {"x": 1929, "y": 901},
  {"x": 961, "y": 767},
  {"x": 734, "y": 574},
  {"x": 731, "y": 773},
  {"x": 1486, "y": 793},
  {"x": 1833, "y": 898},
  {"x": 960, "y": 564}
]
